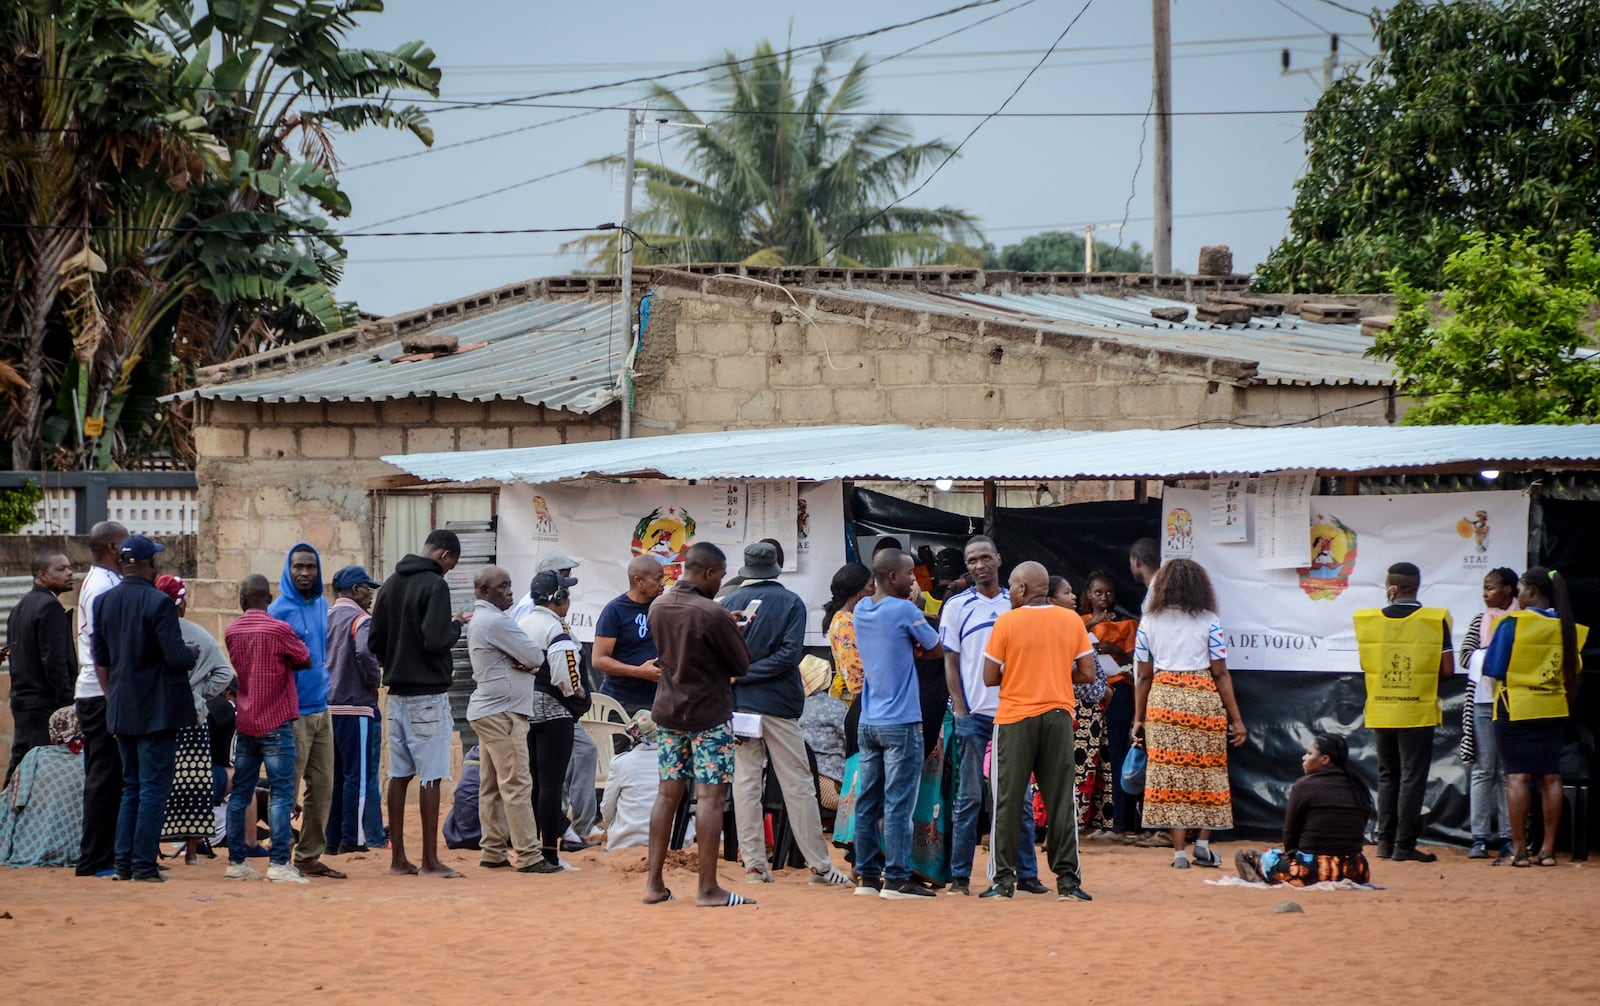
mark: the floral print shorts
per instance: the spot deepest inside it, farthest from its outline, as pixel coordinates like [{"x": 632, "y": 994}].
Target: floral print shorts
[{"x": 704, "y": 756}]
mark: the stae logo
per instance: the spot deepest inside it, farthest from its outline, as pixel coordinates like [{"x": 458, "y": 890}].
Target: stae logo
[
  {"x": 1476, "y": 528},
  {"x": 665, "y": 535},
  {"x": 1333, "y": 558}
]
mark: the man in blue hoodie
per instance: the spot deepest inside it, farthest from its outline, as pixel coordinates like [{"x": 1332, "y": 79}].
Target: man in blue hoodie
[
  {"x": 776, "y": 635},
  {"x": 301, "y": 604}
]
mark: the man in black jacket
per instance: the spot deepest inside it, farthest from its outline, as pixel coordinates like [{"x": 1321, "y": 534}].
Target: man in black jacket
[
  {"x": 771, "y": 698},
  {"x": 412, "y": 632},
  {"x": 143, "y": 665},
  {"x": 44, "y": 663}
]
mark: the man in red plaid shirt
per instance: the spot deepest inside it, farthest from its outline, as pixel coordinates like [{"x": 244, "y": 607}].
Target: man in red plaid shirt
[{"x": 265, "y": 653}]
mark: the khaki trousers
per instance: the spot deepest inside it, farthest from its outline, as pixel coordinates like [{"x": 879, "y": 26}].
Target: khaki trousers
[
  {"x": 505, "y": 789},
  {"x": 781, "y": 741},
  {"x": 313, "y": 773}
]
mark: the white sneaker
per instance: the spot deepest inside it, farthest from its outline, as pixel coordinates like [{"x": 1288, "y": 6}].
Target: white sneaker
[
  {"x": 830, "y": 878},
  {"x": 285, "y": 874},
  {"x": 241, "y": 871}
]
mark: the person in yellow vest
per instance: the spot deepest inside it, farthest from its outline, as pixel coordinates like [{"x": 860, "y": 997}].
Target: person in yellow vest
[
  {"x": 1534, "y": 658},
  {"x": 1405, "y": 651}
]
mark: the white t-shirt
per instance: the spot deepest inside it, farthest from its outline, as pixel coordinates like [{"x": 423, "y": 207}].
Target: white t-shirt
[
  {"x": 1176, "y": 640},
  {"x": 96, "y": 582},
  {"x": 965, "y": 622}
]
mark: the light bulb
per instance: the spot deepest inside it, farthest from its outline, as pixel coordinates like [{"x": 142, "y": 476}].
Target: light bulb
[
  {"x": 943, "y": 485},
  {"x": 1490, "y": 474}
]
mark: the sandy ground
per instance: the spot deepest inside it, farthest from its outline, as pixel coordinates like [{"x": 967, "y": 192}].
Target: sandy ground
[{"x": 1457, "y": 931}]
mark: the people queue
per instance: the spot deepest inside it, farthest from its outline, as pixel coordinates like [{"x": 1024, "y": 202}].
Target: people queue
[{"x": 951, "y": 697}]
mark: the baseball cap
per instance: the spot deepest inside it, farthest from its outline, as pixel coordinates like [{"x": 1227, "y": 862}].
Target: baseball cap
[
  {"x": 556, "y": 560},
  {"x": 353, "y": 576},
  {"x": 549, "y": 583},
  {"x": 172, "y": 586},
  {"x": 138, "y": 548}
]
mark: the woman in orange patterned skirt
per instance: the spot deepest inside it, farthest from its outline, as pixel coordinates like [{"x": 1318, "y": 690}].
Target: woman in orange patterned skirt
[{"x": 1185, "y": 713}]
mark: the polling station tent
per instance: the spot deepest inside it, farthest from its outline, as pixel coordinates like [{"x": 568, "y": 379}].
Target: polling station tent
[{"x": 1296, "y": 673}]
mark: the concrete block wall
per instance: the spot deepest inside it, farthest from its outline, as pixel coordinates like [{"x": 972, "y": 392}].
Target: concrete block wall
[
  {"x": 273, "y": 475},
  {"x": 731, "y": 354}
]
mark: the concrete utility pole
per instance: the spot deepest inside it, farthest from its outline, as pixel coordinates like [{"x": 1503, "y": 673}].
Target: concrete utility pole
[
  {"x": 1161, "y": 246},
  {"x": 625, "y": 240}
]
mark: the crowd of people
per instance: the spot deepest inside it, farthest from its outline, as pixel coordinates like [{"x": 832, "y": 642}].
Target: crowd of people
[{"x": 951, "y": 698}]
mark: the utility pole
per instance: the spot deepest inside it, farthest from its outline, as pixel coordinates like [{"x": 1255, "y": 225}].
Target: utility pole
[
  {"x": 1162, "y": 104},
  {"x": 625, "y": 243},
  {"x": 1330, "y": 64}
]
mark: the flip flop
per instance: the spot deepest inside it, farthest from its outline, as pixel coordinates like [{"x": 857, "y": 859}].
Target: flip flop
[
  {"x": 733, "y": 901},
  {"x": 1547, "y": 860},
  {"x": 659, "y": 901}
]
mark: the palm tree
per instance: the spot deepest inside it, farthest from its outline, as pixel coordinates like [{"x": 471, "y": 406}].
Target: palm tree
[
  {"x": 156, "y": 210},
  {"x": 793, "y": 175}
]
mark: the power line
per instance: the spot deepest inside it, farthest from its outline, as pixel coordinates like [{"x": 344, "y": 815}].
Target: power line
[
  {"x": 322, "y": 235},
  {"x": 731, "y": 64},
  {"x": 468, "y": 143},
  {"x": 471, "y": 199},
  {"x": 973, "y": 132},
  {"x": 1325, "y": 31},
  {"x": 1348, "y": 10}
]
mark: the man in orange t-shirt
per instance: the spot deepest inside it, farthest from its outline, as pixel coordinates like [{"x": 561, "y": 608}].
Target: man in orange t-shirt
[{"x": 1036, "y": 653}]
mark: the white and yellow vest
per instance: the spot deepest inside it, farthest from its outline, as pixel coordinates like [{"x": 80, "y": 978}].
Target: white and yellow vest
[{"x": 1400, "y": 658}]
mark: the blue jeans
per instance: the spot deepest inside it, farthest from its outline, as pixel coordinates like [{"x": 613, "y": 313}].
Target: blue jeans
[
  {"x": 1488, "y": 793},
  {"x": 891, "y": 768},
  {"x": 357, "y": 743},
  {"x": 276, "y": 750},
  {"x": 148, "y": 764},
  {"x": 973, "y": 734}
]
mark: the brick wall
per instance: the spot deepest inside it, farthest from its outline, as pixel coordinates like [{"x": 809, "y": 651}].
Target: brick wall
[
  {"x": 273, "y": 475},
  {"x": 730, "y": 354}
]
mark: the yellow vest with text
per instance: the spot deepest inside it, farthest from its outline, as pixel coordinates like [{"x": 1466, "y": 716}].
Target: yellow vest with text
[
  {"x": 1533, "y": 688},
  {"x": 1400, "y": 659}
]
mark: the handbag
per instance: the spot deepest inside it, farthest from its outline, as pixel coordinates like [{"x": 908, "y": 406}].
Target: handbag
[{"x": 1133, "y": 767}]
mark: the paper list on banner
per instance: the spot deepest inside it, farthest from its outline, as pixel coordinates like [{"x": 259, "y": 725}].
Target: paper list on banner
[
  {"x": 1227, "y": 511},
  {"x": 769, "y": 511},
  {"x": 725, "y": 523},
  {"x": 1283, "y": 519}
]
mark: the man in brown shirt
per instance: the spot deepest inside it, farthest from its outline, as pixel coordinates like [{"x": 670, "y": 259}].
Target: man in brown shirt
[{"x": 699, "y": 652}]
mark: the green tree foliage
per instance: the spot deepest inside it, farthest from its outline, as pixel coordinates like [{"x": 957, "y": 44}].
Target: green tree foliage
[
  {"x": 1510, "y": 345},
  {"x": 785, "y": 177},
  {"x": 169, "y": 173},
  {"x": 1474, "y": 116},
  {"x": 1062, "y": 251},
  {"x": 19, "y": 507}
]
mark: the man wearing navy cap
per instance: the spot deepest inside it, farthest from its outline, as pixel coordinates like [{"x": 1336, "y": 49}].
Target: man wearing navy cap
[
  {"x": 143, "y": 666},
  {"x": 355, "y": 814}
]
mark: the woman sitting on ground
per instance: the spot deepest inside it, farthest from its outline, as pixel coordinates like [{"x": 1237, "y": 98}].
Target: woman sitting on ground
[
  {"x": 41, "y": 809},
  {"x": 1324, "y": 827}
]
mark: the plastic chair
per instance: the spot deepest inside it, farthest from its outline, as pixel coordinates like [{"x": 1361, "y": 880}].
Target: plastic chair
[
  {"x": 603, "y": 733},
  {"x": 605, "y": 709},
  {"x": 1576, "y": 797}
]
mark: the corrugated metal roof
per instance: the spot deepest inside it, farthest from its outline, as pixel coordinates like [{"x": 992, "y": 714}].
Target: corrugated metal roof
[
  {"x": 1286, "y": 349},
  {"x": 904, "y": 453},
  {"x": 561, "y": 353}
]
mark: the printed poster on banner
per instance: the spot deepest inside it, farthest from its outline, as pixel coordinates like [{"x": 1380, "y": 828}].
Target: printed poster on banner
[
  {"x": 605, "y": 527},
  {"x": 1300, "y": 618}
]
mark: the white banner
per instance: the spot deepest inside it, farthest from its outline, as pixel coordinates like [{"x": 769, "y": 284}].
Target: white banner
[
  {"x": 1300, "y": 619},
  {"x": 605, "y": 527}
]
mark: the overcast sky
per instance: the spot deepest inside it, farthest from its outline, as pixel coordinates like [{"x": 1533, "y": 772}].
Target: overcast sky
[{"x": 1233, "y": 173}]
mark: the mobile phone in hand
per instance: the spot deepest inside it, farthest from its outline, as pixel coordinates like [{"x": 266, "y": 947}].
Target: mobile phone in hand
[{"x": 751, "y": 609}]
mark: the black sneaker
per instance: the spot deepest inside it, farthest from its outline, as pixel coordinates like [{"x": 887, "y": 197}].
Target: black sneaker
[
  {"x": 869, "y": 887},
  {"x": 998, "y": 892},
  {"x": 495, "y": 865},
  {"x": 1032, "y": 886},
  {"x": 542, "y": 866},
  {"x": 1385, "y": 851},
  {"x": 961, "y": 885},
  {"x": 1074, "y": 894},
  {"x": 1413, "y": 856},
  {"x": 904, "y": 890}
]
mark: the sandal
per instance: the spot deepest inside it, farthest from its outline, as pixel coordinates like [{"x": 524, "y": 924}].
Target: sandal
[
  {"x": 1520, "y": 861},
  {"x": 1547, "y": 859}
]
